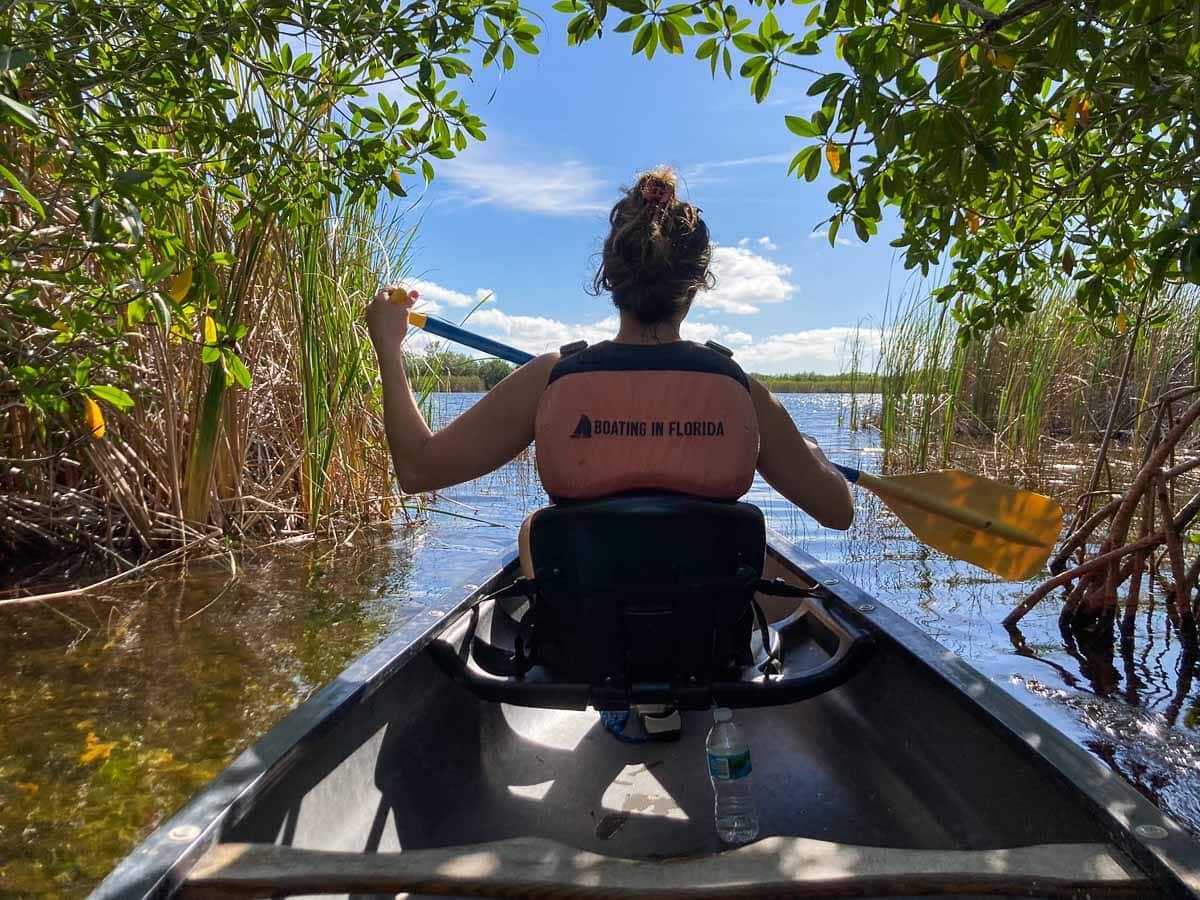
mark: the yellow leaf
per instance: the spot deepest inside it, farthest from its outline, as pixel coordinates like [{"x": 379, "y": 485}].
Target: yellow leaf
[
  {"x": 93, "y": 418},
  {"x": 395, "y": 176},
  {"x": 1005, "y": 61},
  {"x": 962, "y": 64},
  {"x": 1058, "y": 129},
  {"x": 180, "y": 285},
  {"x": 840, "y": 46},
  {"x": 833, "y": 153},
  {"x": 1085, "y": 112},
  {"x": 973, "y": 221},
  {"x": 1131, "y": 267},
  {"x": 175, "y": 336},
  {"x": 59, "y": 326},
  {"x": 27, "y": 787},
  {"x": 1072, "y": 113},
  {"x": 1068, "y": 261},
  {"x": 96, "y": 749},
  {"x": 936, "y": 17},
  {"x": 210, "y": 330},
  {"x": 1122, "y": 323}
]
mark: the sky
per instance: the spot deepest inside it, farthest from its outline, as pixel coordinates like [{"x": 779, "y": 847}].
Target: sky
[{"x": 520, "y": 218}]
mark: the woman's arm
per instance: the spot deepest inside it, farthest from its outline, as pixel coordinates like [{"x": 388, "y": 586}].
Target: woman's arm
[
  {"x": 793, "y": 464},
  {"x": 482, "y": 439}
]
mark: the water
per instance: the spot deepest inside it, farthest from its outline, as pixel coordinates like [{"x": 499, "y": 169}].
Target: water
[
  {"x": 115, "y": 709},
  {"x": 731, "y": 771}
]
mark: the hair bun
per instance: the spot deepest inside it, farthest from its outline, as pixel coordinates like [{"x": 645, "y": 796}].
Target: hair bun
[{"x": 657, "y": 252}]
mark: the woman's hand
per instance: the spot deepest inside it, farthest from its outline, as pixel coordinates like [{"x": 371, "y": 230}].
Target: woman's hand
[{"x": 387, "y": 315}]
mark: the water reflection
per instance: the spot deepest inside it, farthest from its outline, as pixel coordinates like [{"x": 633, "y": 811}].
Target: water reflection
[{"x": 115, "y": 709}]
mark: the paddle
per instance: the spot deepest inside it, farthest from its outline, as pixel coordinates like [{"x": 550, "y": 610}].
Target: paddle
[{"x": 995, "y": 526}]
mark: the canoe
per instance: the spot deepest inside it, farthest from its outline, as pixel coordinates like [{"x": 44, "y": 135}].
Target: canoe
[{"x": 912, "y": 776}]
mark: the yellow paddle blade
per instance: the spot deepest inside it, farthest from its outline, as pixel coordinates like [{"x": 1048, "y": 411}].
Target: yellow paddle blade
[{"x": 995, "y": 526}]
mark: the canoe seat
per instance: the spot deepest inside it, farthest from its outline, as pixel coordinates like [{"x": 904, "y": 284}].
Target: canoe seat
[{"x": 648, "y": 599}]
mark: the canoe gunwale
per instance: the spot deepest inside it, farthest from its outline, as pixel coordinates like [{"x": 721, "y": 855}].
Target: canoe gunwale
[
  {"x": 1116, "y": 805},
  {"x": 158, "y": 866}
]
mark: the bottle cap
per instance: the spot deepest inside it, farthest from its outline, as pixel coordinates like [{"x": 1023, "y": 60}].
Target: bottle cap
[{"x": 722, "y": 714}]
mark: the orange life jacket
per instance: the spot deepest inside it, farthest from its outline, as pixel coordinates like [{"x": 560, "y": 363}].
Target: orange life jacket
[{"x": 625, "y": 417}]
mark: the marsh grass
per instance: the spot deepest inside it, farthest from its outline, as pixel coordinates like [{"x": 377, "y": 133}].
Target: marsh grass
[
  {"x": 256, "y": 410},
  {"x": 1021, "y": 392}
]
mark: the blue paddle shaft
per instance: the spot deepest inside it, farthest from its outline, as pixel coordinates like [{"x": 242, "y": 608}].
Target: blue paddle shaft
[
  {"x": 444, "y": 329},
  {"x": 851, "y": 474}
]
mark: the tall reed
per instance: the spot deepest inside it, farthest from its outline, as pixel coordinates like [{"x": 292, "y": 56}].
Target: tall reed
[
  {"x": 1022, "y": 389},
  {"x": 256, "y": 407}
]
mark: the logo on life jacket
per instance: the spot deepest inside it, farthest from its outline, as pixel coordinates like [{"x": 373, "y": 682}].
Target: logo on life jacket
[{"x": 584, "y": 428}]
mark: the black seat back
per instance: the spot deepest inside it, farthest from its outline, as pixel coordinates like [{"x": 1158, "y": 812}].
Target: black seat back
[{"x": 645, "y": 589}]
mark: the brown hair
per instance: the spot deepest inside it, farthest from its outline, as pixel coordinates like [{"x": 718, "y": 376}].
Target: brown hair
[{"x": 657, "y": 252}]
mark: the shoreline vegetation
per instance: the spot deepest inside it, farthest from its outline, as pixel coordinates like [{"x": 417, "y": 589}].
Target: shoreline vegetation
[
  {"x": 1021, "y": 403},
  {"x": 448, "y": 371}
]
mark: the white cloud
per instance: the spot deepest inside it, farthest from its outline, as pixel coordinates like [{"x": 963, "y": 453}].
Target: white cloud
[
  {"x": 767, "y": 244},
  {"x": 824, "y": 235},
  {"x": 699, "y": 172},
  {"x": 745, "y": 280},
  {"x": 744, "y": 242},
  {"x": 542, "y": 187},
  {"x": 434, "y": 293},
  {"x": 824, "y": 350},
  {"x": 538, "y": 334}
]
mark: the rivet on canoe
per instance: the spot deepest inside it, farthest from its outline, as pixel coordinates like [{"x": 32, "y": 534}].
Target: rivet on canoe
[
  {"x": 436, "y": 613},
  {"x": 830, "y": 582},
  {"x": 866, "y": 607},
  {"x": 1150, "y": 832},
  {"x": 184, "y": 833}
]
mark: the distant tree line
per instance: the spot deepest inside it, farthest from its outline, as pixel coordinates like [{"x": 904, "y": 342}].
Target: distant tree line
[
  {"x": 815, "y": 383},
  {"x": 447, "y": 370},
  {"x": 450, "y": 371}
]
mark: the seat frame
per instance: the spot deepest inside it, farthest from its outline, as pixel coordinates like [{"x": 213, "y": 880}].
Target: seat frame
[{"x": 648, "y": 599}]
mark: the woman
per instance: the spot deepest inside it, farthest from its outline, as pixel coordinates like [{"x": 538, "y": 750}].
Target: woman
[{"x": 646, "y": 410}]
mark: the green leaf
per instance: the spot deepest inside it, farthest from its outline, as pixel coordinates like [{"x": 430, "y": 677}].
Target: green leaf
[
  {"x": 235, "y": 367},
  {"x": 31, "y": 201},
  {"x": 812, "y": 165},
  {"x": 800, "y": 126},
  {"x": 826, "y": 82},
  {"x": 25, "y": 114},
  {"x": 641, "y": 40},
  {"x": 210, "y": 354},
  {"x": 671, "y": 40},
  {"x": 761, "y": 84},
  {"x": 113, "y": 395},
  {"x": 629, "y": 24},
  {"x": 748, "y": 43}
]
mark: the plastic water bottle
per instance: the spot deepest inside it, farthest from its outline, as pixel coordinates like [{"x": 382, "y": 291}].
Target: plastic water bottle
[{"x": 733, "y": 783}]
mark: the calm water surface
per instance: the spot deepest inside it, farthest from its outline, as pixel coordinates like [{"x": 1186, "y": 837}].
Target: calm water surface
[{"x": 114, "y": 710}]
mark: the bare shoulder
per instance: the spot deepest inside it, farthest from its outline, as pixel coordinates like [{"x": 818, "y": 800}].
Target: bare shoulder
[
  {"x": 530, "y": 378},
  {"x": 762, "y": 397}
]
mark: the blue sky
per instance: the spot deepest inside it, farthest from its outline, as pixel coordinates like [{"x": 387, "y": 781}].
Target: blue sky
[{"x": 523, "y": 214}]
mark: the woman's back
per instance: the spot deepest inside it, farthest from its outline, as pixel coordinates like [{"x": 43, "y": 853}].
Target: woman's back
[{"x": 619, "y": 417}]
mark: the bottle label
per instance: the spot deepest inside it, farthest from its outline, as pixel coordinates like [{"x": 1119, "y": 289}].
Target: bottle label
[{"x": 729, "y": 768}]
